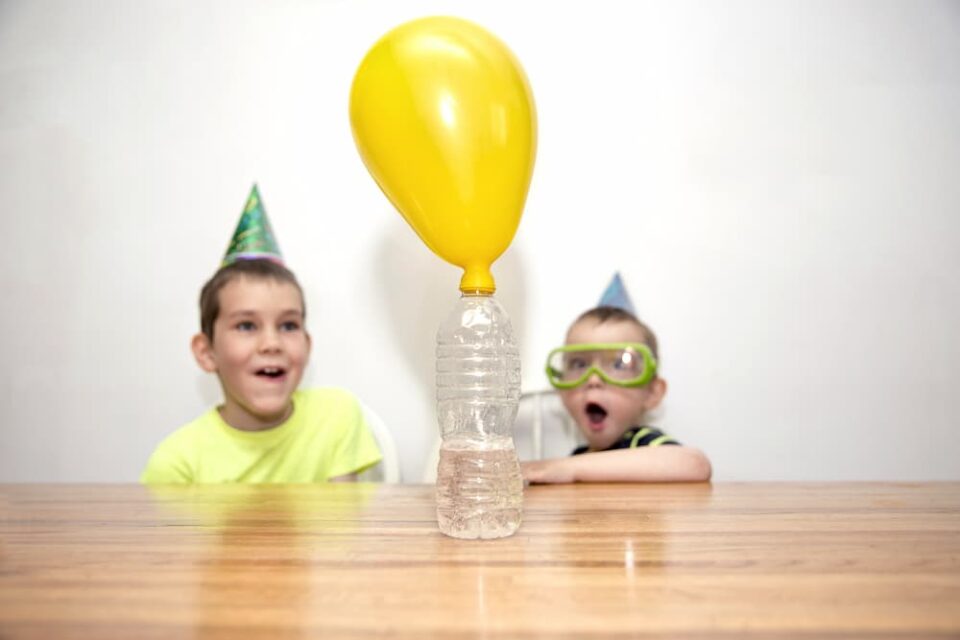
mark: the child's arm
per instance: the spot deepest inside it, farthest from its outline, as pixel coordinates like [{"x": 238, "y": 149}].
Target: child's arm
[{"x": 668, "y": 463}]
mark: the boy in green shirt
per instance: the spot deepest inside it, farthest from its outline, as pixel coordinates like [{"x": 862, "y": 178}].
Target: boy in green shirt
[{"x": 253, "y": 337}]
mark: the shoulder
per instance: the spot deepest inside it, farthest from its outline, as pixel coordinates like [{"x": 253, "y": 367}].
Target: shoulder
[
  {"x": 173, "y": 459},
  {"x": 333, "y": 419},
  {"x": 328, "y": 409},
  {"x": 645, "y": 437},
  {"x": 327, "y": 399},
  {"x": 189, "y": 435}
]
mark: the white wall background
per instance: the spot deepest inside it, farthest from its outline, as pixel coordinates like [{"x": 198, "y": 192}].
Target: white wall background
[{"x": 777, "y": 182}]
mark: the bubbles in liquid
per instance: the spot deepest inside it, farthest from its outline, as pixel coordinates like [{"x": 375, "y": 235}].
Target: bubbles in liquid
[
  {"x": 479, "y": 489},
  {"x": 479, "y": 486}
]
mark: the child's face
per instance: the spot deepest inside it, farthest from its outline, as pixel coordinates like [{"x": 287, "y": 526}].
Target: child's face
[
  {"x": 605, "y": 411},
  {"x": 259, "y": 351}
]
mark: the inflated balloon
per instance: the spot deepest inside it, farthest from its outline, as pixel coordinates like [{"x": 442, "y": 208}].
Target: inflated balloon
[{"x": 444, "y": 120}]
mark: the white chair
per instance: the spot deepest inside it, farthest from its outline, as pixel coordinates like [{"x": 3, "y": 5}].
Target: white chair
[
  {"x": 388, "y": 469},
  {"x": 543, "y": 429},
  {"x": 433, "y": 460}
]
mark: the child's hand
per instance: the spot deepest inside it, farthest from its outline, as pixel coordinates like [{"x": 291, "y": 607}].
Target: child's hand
[{"x": 557, "y": 471}]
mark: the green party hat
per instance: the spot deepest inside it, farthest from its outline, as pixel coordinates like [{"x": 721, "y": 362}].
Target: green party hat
[{"x": 253, "y": 239}]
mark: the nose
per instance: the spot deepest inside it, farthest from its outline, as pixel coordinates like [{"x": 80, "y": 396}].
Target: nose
[
  {"x": 270, "y": 340},
  {"x": 594, "y": 380}
]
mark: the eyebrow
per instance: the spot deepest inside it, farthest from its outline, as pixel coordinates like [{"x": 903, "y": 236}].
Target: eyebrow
[{"x": 251, "y": 312}]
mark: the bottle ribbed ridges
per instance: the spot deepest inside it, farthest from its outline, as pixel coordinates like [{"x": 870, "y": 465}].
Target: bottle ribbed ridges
[
  {"x": 483, "y": 376},
  {"x": 479, "y": 486}
]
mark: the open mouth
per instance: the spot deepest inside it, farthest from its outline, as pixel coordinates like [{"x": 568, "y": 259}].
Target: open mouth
[
  {"x": 271, "y": 372},
  {"x": 595, "y": 413}
]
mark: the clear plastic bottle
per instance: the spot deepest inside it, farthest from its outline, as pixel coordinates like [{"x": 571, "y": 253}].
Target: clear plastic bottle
[{"x": 479, "y": 486}]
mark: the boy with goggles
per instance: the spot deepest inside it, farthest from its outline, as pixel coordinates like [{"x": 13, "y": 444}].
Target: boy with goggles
[{"x": 607, "y": 377}]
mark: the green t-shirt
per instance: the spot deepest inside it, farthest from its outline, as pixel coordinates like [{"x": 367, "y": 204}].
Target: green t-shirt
[{"x": 326, "y": 436}]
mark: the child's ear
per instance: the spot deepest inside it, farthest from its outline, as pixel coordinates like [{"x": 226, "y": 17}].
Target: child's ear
[
  {"x": 203, "y": 352},
  {"x": 657, "y": 389}
]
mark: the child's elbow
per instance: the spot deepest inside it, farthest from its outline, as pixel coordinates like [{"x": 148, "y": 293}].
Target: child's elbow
[{"x": 698, "y": 466}]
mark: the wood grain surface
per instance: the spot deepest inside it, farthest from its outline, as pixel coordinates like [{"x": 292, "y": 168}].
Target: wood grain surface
[{"x": 858, "y": 560}]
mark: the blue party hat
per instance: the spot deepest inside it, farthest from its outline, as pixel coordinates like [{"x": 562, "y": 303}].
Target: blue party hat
[{"x": 616, "y": 295}]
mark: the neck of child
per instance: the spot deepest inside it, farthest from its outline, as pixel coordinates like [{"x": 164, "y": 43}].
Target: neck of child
[{"x": 242, "y": 420}]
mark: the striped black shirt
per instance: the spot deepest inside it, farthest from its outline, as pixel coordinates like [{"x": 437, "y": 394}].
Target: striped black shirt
[{"x": 635, "y": 437}]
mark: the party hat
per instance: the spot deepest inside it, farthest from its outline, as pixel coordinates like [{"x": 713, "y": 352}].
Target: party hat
[
  {"x": 616, "y": 295},
  {"x": 253, "y": 238}
]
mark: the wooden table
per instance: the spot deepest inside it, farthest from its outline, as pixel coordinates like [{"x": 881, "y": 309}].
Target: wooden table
[{"x": 610, "y": 561}]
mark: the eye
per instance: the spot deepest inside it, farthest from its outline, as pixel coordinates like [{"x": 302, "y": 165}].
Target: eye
[
  {"x": 245, "y": 325},
  {"x": 290, "y": 325},
  {"x": 576, "y": 363},
  {"x": 626, "y": 361}
]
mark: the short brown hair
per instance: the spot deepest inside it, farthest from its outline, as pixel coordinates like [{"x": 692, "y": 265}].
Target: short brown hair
[
  {"x": 616, "y": 314},
  {"x": 260, "y": 269}
]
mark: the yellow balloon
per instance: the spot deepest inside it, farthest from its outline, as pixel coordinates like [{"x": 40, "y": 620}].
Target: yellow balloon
[{"x": 444, "y": 120}]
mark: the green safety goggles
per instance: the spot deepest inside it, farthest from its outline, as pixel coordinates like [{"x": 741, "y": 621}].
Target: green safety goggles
[{"x": 625, "y": 364}]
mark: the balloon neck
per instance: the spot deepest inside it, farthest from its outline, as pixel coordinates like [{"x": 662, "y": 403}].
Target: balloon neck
[{"x": 477, "y": 281}]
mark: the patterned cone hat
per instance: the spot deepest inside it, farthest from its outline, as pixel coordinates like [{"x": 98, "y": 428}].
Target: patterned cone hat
[
  {"x": 253, "y": 239},
  {"x": 616, "y": 295}
]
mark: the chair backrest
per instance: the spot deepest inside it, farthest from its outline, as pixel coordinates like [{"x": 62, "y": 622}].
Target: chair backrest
[
  {"x": 388, "y": 469},
  {"x": 543, "y": 429},
  {"x": 433, "y": 461}
]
